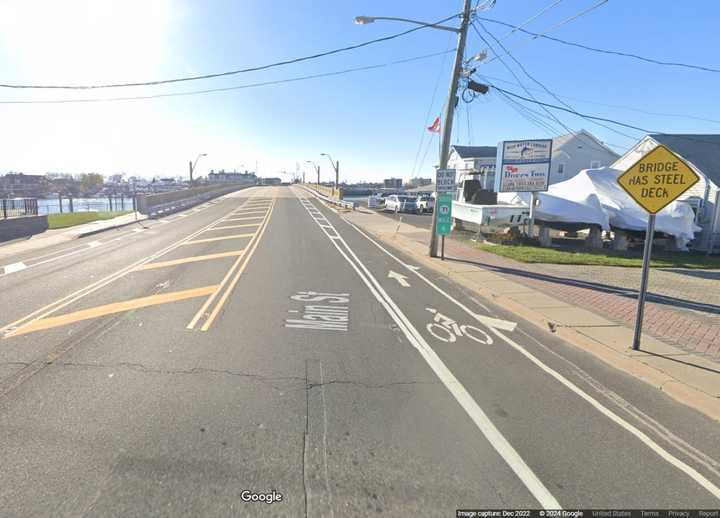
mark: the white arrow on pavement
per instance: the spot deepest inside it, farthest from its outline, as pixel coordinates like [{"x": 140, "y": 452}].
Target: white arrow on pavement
[
  {"x": 496, "y": 323},
  {"x": 400, "y": 278}
]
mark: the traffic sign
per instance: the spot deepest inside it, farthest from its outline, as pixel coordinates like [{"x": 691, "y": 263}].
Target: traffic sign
[
  {"x": 657, "y": 179},
  {"x": 445, "y": 180},
  {"x": 443, "y": 206}
]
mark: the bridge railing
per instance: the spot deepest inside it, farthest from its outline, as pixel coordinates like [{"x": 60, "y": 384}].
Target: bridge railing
[{"x": 17, "y": 207}]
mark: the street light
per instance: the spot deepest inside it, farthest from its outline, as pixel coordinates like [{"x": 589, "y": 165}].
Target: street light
[
  {"x": 192, "y": 166},
  {"x": 336, "y": 167},
  {"x": 317, "y": 170},
  {"x": 450, "y": 104},
  {"x": 364, "y": 20}
]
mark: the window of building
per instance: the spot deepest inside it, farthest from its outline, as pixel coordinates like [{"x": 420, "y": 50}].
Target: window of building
[
  {"x": 595, "y": 164},
  {"x": 561, "y": 168}
]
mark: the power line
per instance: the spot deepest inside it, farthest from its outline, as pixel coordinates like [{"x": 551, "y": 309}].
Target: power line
[
  {"x": 602, "y": 51},
  {"x": 545, "y": 88},
  {"x": 620, "y": 106},
  {"x": 520, "y": 83},
  {"x": 604, "y": 119},
  {"x": 430, "y": 107},
  {"x": 229, "y": 88},
  {"x": 232, "y": 72},
  {"x": 537, "y": 116},
  {"x": 564, "y": 22},
  {"x": 532, "y": 18}
]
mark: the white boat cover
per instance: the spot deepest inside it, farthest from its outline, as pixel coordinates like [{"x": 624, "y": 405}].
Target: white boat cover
[{"x": 594, "y": 197}]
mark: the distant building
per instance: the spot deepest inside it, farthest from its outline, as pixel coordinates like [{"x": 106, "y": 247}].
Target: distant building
[
  {"x": 419, "y": 182},
  {"x": 270, "y": 181},
  {"x": 393, "y": 183},
  {"x": 22, "y": 185},
  {"x": 241, "y": 178}
]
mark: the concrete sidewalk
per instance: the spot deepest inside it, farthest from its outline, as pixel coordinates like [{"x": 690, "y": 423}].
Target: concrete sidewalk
[
  {"x": 62, "y": 235},
  {"x": 578, "y": 314}
]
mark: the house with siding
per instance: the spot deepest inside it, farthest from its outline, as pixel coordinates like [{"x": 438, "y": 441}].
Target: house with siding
[{"x": 702, "y": 153}]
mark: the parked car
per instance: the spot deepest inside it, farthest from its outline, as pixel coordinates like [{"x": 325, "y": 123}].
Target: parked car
[
  {"x": 425, "y": 203},
  {"x": 377, "y": 200},
  {"x": 401, "y": 203}
]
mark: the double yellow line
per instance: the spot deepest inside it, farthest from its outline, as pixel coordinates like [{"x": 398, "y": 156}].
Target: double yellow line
[
  {"x": 26, "y": 323},
  {"x": 228, "y": 283}
]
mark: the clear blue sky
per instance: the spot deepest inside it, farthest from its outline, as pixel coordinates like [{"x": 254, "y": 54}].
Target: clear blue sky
[{"x": 372, "y": 120}]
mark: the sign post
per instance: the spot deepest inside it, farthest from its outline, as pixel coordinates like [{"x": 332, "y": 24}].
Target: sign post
[
  {"x": 654, "y": 181},
  {"x": 524, "y": 166},
  {"x": 445, "y": 186}
]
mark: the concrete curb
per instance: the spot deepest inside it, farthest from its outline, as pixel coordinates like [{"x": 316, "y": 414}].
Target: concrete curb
[
  {"x": 99, "y": 230},
  {"x": 673, "y": 387}
]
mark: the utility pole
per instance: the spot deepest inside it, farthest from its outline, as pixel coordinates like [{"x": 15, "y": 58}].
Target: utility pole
[
  {"x": 449, "y": 113},
  {"x": 318, "y": 174},
  {"x": 191, "y": 173}
]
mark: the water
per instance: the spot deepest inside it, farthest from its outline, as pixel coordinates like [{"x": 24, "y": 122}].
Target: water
[{"x": 52, "y": 205}]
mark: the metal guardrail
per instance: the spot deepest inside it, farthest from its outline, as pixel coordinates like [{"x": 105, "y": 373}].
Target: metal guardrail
[
  {"x": 340, "y": 203},
  {"x": 17, "y": 207}
]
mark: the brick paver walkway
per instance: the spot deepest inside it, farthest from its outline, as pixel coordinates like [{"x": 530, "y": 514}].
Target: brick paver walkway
[{"x": 676, "y": 313}]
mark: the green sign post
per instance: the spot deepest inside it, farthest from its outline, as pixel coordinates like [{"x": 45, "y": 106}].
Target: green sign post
[
  {"x": 444, "y": 216},
  {"x": 443, "y": 206}
]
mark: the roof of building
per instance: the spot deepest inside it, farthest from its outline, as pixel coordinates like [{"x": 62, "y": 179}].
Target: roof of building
[
  {"x": 702, "y": 150},
  {"x": 584, "y": 136},
  {"x": 475, "y": 151}
]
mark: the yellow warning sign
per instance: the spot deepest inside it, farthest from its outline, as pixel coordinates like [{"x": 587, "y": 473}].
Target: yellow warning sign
[{"x": 657, "y": 179}]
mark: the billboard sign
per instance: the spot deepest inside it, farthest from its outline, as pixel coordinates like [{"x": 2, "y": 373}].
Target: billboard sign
[{"x": 523, "y": 166}]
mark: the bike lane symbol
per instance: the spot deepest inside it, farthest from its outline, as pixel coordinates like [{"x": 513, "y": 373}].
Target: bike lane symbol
[{"x": 448, "y": 330}]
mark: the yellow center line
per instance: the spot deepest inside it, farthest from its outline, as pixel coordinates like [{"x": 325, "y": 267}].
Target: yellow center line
[
  {"x": 221, "y": 238},
  {"x": 231, "y": 286},
  {"x": 109, "y": 309},
  {"x": 202, "y": 311},
  {"x": 194, "y": 259}
]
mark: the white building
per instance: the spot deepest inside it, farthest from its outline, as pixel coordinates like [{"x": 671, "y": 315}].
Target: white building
[
  {"x": 573, "y": 152},
  {"x": 702, "y": 153}
]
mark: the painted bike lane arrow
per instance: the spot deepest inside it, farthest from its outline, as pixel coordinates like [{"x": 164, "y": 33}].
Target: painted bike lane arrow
[{"x": 402, "y": 279}]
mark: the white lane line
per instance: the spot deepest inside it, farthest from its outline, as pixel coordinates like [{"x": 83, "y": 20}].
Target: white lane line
[
  {"x": 462, "y": 396},
  {"x": 650, "y": 443},
  {"x": 164, "y": 221},
  {"x": 14, "y": 267},
  {"x": 93, "y": 244},
  {"x": 138, "y": 230}
]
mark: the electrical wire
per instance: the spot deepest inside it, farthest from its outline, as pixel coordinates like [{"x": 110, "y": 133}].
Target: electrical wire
[
  {"x": 602, "y": 51},
  {"x": 604, "y": 119},
  {"x": 634, "y": 138},
  {"x": 232, "y": 72},
  {"x": 429, "y": 110},
  {"x": 229, "y": 88},
  {"x": 620, "y": 106},
  {"x": 561, "y": 23},
  {"x": 509, "y": 69},
  {"x": 532, "y": 18}
]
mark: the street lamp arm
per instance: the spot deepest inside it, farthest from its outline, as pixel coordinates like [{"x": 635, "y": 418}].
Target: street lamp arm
[
  {"x": 362, "y": 20},
  {"x": 331, "y": 160}
]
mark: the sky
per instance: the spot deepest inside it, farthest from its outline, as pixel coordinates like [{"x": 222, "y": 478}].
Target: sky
[{"x": 372, "y": 121}]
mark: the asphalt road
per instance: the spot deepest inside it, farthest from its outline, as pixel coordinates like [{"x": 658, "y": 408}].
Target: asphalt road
[{"x": 263, "y": 344}]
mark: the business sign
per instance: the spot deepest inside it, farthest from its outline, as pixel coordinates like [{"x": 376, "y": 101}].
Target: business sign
[
  {"x": 657, "y": 179},
  {"x": 445, "y": 180},
  {"x": 523, "y": 166},
  {"x": 443, "y": 206}
]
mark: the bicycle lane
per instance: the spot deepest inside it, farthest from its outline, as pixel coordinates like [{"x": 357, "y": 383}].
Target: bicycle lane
[{"x": 584, "y": 455}]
